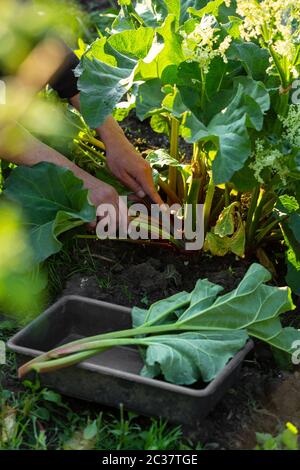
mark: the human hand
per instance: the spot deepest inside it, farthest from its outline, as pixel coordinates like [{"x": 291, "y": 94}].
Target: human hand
[
  {"x": 131, "y": 169},
  {"x": 101, "y": 193},
  {"x": 126, "y": 163}
]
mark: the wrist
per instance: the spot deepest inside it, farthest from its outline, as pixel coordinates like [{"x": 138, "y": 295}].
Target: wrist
[{"x": 111, "y": 133}]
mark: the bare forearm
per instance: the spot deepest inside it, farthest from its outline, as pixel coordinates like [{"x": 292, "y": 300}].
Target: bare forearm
[
  {"x": 31, "y": 151},
  {"x": 110, "y": 132},
  {"x": 123, "y": 160}
]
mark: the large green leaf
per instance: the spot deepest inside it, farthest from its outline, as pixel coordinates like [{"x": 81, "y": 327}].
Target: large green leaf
[
  {"x": 253, "y": 306},
  {"x": 211, "y": 8},
  {"x": 294, "y": 224},
  {"x": 162, "y": 309},
  {"x": 210, "y": 331},
  {"x": 159, "y": 159},
  {"x": 151, "y": 13},
  {"x": 204, "y": 294},
  {"x": 165, "y": 55},
  {"x": 187, "y": 357},
  {"x": 106, "y": 72},
  {"x": 293, "y": 269},
  {"x": 254, "y": 59},
  {"x": 112, "y": 66},
  {"x": 101, "y": 88},
  {"x": 53, "y": 201},
  {"x": 149, "y": 99},
  {"x": 228, "y": 129},
  {"x": 288, "y": 207},
  {"x": 154, "y": 12},
  {"x": 21, "y": 283},
  {"x": 138, "y": 316},
  {"x": 251, "y": 302},
  {"x": 292, "y": 258},
  {"x": 154, "y": 99}
]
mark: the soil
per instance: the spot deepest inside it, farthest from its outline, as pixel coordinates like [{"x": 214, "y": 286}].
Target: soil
[
  {"x": 129, "y": 274},
  {"x": 144, "y": 138}
]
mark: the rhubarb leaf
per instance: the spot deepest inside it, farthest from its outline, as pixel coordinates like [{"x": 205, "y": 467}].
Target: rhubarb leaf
[
  {"x": 106, "y": 72},
  {"x": 162, "y": 309},
  {"x": 188, "y": 357},
  {"x": 204, "y": 294},
  {"x": 53, "y": 201},
  {"x": 228, "y": 130},
  {"x": 251, "y": 302},
  {"x": 228, "y": 235}
]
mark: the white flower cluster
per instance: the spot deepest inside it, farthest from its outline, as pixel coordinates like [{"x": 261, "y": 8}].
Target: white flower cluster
[
  {"x": 291, "y": 125},
  {"x": 201, "y": 45},
  {"x": 268, "y": 158},
  {"x": 276, "y": 21}
]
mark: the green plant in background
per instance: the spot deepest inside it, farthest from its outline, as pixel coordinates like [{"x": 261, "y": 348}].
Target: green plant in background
[
  {"x": 21, "y": 281},
  {"x": 59, "y": 203},
  {"x": 288, "y": 439},
  {"x": 40, "y": 419},
  {"x": 191, "y": 336},
  {"x": 214, "y": 74},
  {"x": 27, "y": 23}
]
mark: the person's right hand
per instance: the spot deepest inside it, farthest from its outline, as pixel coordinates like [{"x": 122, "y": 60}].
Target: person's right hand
[{"x": 102, "y": 193}]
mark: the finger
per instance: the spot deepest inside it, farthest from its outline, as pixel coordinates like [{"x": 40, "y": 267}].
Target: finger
[
  {"x": 91, "y": 226},
  {"x": 135, "y": 198},
  {"x": 146, "y": 182},
  {"x": 131, "y": 183},
  {"x": 152, "y": 193}
]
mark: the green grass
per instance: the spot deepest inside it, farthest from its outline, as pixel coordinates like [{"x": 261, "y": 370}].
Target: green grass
[
  {"x": 75, "y": 257},
  {"x": 35, "y": 418}
]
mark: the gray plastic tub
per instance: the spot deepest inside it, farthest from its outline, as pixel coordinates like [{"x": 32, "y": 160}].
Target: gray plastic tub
[{"x": 112, "y": 378}]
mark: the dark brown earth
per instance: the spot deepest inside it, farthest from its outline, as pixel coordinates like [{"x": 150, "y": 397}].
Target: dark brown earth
[{"x": 130, "y": 274}]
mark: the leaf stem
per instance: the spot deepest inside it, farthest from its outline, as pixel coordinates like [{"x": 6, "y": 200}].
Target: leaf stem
[
  {"x": 208, "y": 203},
  {"x": 173, "y": 152},
  {"x": 251, "y": 210},
  {"x": 173, "y": 198},
  {"x": 256, "y": 216},
  {"x": 268, "y": 229},
  {"x": 192, "y": 200}
]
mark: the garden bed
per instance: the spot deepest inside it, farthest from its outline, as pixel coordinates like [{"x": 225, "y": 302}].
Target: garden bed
[
  {"x": 135, "y": 275},
  {"x": 113, "y": 377},
  {"x": 264, "y": 398},
  {"x": 251, "y": 202}
]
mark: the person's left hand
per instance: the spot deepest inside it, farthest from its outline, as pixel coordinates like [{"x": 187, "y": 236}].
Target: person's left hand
[
  {"x": 131, "y": 169},
  {"x": 123, "y": 160}
]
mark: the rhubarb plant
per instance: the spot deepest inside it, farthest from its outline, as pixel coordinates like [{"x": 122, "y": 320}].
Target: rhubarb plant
[
  {"x": 191, "y": 336},
  {"x": 53, "y": 201},
  {"x": 218, "y": 74}
]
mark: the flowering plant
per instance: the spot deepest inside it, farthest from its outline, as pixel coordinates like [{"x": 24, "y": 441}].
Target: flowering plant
[
  {"x": 221, "y": 75},
  {"x": 218, "y": 74}
]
